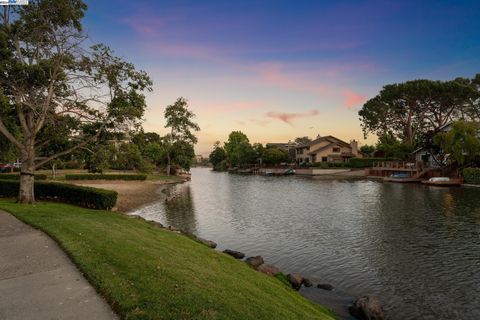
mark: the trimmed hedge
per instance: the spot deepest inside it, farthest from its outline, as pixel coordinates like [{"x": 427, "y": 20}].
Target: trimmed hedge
[
  {"x": 471, "y": 175},
  {"x": 366, "y": 162},
  {"x": 93, "y": 176},
  {"x": 13, "y": 176},
  {"x": 82, "y": 196}
]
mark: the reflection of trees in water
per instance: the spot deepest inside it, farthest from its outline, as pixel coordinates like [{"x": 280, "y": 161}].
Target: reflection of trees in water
[{"x": 179, "y": 209}]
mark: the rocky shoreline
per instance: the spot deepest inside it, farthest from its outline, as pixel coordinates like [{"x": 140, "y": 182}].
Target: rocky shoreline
[{"x": 342, "y": 304}]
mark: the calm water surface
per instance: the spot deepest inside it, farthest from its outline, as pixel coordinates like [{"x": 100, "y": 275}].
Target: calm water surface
[{"x": 416, "y": 247}]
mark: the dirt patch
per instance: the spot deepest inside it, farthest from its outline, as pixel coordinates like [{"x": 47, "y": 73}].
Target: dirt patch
[{"x": 131, "y": 194}]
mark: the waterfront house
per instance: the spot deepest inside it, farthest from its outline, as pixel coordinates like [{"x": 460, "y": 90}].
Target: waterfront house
[
  {"x": 327, "y": 149},
  {"x": 430, "y": 154}
]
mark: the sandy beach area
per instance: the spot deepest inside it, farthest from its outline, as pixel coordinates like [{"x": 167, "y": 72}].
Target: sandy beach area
[{"x": 131, "y": 194}]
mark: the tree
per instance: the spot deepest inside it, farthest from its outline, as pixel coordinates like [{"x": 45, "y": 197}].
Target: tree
[
  {"x": 367, "y": 149},
  {"x": 393, "y": 147},
  {"x": 183, "y": 154},
  {"x": 461, "y": 142},
  {"x": 47, "y": 77},
  {"x": 217, "y": 156},
  {"x": 155, "y": 152},
  {"x": 409, "y": 110},
  {"x": 239, "y": 150},
  {"x": 274, "y": 156},
  {"x": 396, "y": 110},
  {"x": 303, "y": 140},
  {"x": 180, "y": 121},
  {"x": 100, "y": 160}
]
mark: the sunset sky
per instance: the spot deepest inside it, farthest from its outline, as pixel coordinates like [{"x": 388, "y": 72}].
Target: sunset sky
[{"x": 277, "y": 69}]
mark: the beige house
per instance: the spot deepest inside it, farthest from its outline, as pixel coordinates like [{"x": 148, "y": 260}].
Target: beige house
[{"x": 327, "y": 149}]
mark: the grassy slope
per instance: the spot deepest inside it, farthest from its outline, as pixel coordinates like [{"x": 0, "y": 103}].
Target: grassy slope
[{"x": 148, "y": 273}]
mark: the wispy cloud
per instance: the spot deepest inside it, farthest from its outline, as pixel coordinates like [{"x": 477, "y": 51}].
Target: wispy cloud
[
  {"x": 275, "y": 74},
  {"x": 290, "y": 117}
]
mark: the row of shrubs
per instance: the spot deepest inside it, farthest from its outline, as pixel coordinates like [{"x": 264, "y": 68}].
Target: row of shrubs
[
  {"x": 14, "y": 176},
  {"x": 82, "y": 196},
  {"x": 94, "y": 176},
  {"x": 471, "y": 175}
]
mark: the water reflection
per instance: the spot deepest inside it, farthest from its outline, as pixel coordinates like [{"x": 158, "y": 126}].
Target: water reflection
[
  {"x": 179, "y": 209},
  {"x": 415, "y": 246}
]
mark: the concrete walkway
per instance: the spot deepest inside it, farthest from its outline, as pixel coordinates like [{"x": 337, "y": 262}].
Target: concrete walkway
[{"x": 38, "y": 281}]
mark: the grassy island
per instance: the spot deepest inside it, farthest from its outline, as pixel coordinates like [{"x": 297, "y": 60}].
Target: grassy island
[{"x": 146, "y": 272}]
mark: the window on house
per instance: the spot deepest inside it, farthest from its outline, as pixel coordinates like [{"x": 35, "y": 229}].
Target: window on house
[
  {"x": 324, "y": 159},
  {"x": 336, "y": 149}
]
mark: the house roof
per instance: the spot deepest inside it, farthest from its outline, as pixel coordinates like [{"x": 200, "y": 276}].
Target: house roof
[
  {"x": 325, "y": 138},
  {"x": 322, "y": 148}
]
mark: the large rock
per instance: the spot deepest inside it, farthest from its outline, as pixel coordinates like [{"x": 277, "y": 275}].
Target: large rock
[
  {"x": 307, "y": 283},
  {"x": 255, "y": 262},
  {"x": 367, "y": 308},
  {"x": 295, "y": 280},
  {"x": 268, "y": 269},
  {"x": 325, "y": 286},
  {"x": 235, "y": 254},
  {"x": 208, "y": 243}
]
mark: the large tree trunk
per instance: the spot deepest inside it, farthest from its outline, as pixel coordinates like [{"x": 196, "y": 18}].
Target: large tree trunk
[
  {"x": 27, "y": 171},
  {"x": 409, "y": 129}
]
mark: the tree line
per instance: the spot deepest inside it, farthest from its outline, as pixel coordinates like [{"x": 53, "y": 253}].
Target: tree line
[{"x": 237, "y": 151}]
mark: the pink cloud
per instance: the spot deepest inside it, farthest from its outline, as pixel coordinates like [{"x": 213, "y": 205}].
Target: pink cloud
[
  {"x": 275, "y": 74},
  {"x": 289, "y": 117},
  {"x": 352, "y": 99}
]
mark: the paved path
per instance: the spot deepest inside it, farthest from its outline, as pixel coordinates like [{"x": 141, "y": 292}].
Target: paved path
[{"x": 38, "y": 281}]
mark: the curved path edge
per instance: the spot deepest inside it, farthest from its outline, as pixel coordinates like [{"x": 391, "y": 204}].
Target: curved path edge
[{"x": 38, "y": 280}]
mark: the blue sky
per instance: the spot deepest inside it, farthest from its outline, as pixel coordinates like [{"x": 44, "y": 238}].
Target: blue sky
[{"x": 281, "y": 69}]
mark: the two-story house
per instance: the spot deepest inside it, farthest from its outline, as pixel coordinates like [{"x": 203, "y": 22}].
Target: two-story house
[{"x": 327, "y": 149}]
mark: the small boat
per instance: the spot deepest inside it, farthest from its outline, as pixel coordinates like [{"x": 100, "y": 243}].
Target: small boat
[
  {"x": 401, "y": 178},
  {"x": 443, "y": 181}
]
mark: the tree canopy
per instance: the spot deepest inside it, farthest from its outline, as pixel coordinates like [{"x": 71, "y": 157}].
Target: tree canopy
[
  {"x": 51, "y": 84},
  {"x": 409, "y": 110}
]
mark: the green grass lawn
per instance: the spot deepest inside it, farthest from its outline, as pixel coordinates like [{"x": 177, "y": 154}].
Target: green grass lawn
[{"x": 149, "y": 273}]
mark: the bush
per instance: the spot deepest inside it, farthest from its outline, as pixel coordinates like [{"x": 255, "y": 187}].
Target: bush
[
  {"x": 366, "y": 162},
  {"x": 89, "y": 176},
  {"x": 328, "y": 165},
  {"x": 82, "y": 196},
  {"x": 10, "y": 176},
  {"x": 471, "y": 175}
]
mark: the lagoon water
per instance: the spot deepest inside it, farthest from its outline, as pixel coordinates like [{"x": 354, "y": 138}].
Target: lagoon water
[{"x": 415, "y": 247}]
